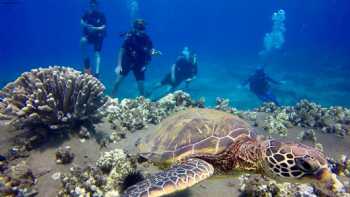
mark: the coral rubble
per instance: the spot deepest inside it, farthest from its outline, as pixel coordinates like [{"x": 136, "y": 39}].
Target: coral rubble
[{"x": 54, "y": 98}]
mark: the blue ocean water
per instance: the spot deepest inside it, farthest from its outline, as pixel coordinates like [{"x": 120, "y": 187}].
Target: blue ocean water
[{"x": 227, "y": 36}]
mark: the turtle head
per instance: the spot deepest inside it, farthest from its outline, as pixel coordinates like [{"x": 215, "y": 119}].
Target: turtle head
[{"x": 295, "y": 162}]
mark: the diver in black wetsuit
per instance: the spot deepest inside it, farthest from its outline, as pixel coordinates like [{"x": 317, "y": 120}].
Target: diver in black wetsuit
[
  {"x": 94, "y": 30},
  {"x": 135, "y": 54},
  {"x": 259, "y": 84},
  {"x": 184, "y": 70}
]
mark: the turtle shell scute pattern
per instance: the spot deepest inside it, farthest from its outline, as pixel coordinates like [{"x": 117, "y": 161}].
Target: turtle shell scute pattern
[{"x": 194, "y": 132}]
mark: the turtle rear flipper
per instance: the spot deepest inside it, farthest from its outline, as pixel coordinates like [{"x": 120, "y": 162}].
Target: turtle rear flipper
[{"x": 178, "y": 177}]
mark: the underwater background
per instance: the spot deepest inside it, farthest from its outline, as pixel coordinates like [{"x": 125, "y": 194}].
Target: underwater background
[{"x": 226, "y": 35}]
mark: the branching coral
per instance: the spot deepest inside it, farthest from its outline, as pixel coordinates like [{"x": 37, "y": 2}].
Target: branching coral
[{"x": 53, "y": 98}]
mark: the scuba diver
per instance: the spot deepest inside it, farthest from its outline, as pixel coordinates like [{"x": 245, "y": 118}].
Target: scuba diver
[
  {"x": 134, "y": 55},
  {"x": 259, "y": 84},
  {"x": 184, "y": 70},
  {"x": 94, "y": 31}
]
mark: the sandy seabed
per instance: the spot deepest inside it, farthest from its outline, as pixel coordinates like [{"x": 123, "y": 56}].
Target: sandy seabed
[{"x": 42, "y": 160}]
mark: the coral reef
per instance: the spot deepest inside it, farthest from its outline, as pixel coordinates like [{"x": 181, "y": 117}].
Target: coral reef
[
  {"x": 308, "y": 115},
  {"x": 223, "y": 104},
  {"x": 277, "y": 122},
  {"x": 345, "y": 162},
  {"x": 331, "y": 120},
  {"x": 18, "y": 180},
  {"x": 341, "y": 166},
  {"x": 86, "y": 181},
  {"x": 53, "y": 98},
  {"x": 105, "y": 180},
  {"x": 117, "y": 175},
  {"x": 64, "y": 155},
  {"x": 255, "y": 185},
  {"x": 115, "y": 158},
  {"x": 135, "y": 114},
  {"x": 268, "y": 107},
  {"x": 117, "y": 165}
]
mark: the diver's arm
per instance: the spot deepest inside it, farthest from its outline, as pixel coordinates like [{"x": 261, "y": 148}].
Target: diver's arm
[
  {"x": 273, "y": 81},
  {"x": 245, "y": 82}
]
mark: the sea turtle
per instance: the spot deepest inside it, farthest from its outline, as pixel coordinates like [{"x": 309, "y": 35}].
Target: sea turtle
[{"x": 199, "y": 142}]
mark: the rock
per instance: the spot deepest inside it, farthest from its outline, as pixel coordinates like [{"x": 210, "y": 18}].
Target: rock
[
  {"x": 64, "y": 155},
  {"x": 56, "y": 176}
]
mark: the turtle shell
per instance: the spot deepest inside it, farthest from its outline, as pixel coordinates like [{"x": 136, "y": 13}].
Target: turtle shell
[{"x": 193, "y": 132}]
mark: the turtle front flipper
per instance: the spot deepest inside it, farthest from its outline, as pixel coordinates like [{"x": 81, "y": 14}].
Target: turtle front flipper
[{"x": 178, "y": 177}]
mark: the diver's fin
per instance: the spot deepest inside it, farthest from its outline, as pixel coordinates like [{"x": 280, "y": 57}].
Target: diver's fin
[{"x": 178, "y": 177}]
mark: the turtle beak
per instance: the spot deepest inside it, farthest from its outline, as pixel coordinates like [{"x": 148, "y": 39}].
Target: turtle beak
[{"x": 328, "y": 182}]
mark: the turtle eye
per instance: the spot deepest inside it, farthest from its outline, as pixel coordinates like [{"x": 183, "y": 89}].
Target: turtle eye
[{"x": 305, "y": 165}]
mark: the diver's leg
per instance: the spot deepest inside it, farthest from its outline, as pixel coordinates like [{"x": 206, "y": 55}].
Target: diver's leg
[
  {"x": 262, "y": 97},
  {"x": 140, "y": 79},
  {"x": 141, "y": 87},
  {"x": 98, "y": 48},
  {"x": 271, "y": 97},
  {"x": 98, "y": 62},
  {"x": 83, "y": 46},
  {"x": 117, "y": 83},
  {"x": 155, "y": 87}
]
